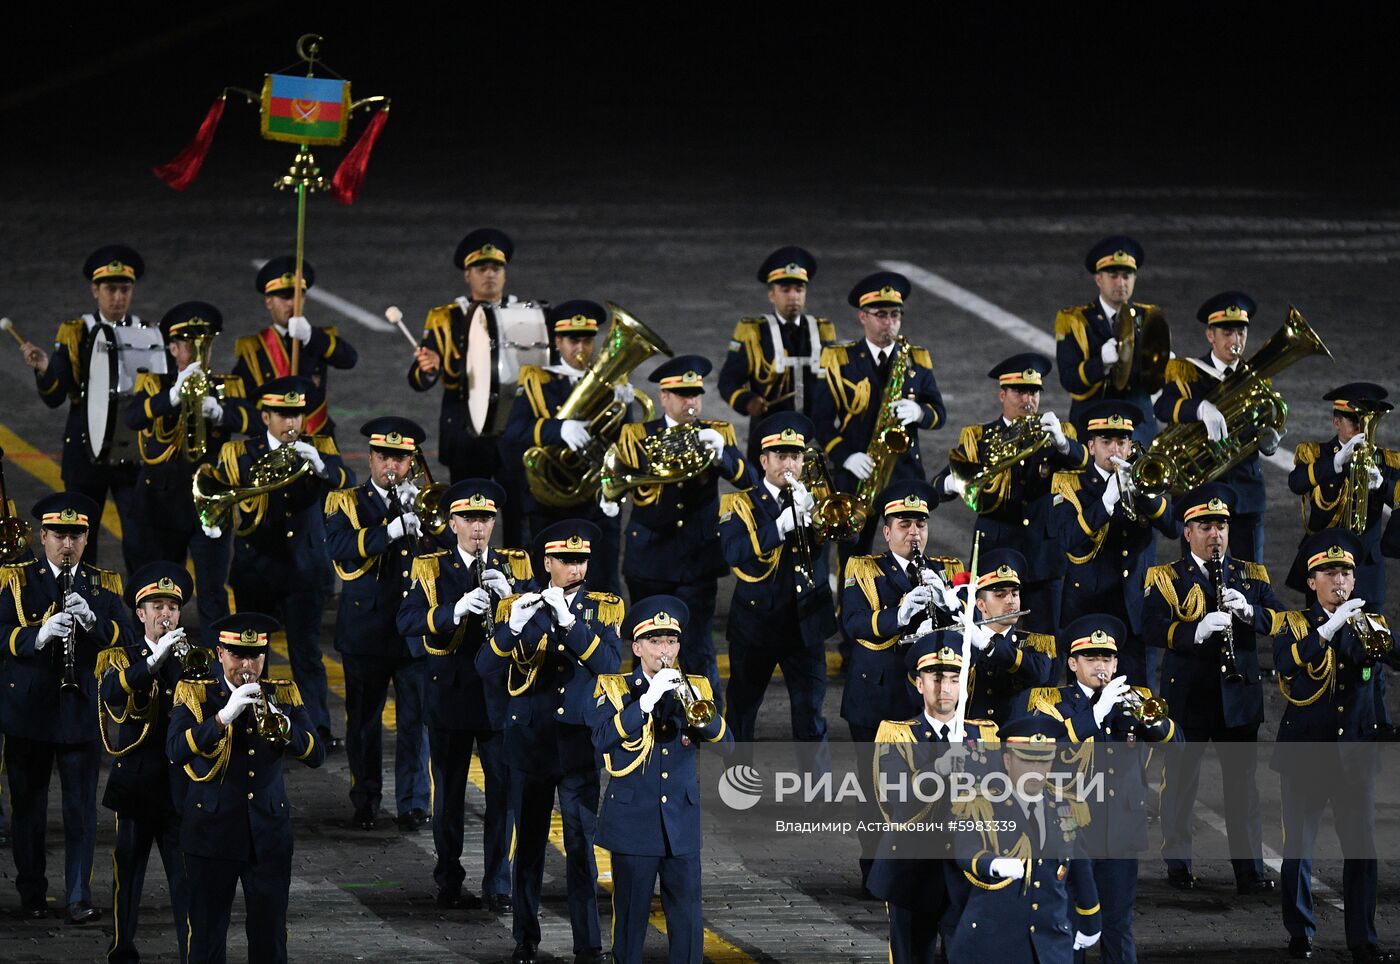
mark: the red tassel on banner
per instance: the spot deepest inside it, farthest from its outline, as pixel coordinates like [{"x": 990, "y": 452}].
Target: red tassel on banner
[
  {"x": 180, "y": 172},
  {"x": 350, "y": 175}
]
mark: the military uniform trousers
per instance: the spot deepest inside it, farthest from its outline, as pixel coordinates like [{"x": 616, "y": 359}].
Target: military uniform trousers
[
  {"x": 367, "y": 681},
  {"x": 265, "y": 881},
  {"x": 449, "y": 759},
  {"x": 1116, "y": 881},
  {"x": 136, "y": 834},
  {"x": 1238, "y": 748},
  {"x": 30, "y": 764},
  {"x": 118, "y": 481},
  {"x": 634, "y": 879},
  {"x": 174, "y": 538},
  {"x": 1305, "y": 796},
  {"x": 532, "y": 800},
  {"x": 698, "y": 647}
]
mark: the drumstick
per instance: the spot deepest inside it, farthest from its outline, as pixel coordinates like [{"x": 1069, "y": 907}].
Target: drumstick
[
  {"x": 396, "y": 319},
  {"x": 9, "y": 326}
]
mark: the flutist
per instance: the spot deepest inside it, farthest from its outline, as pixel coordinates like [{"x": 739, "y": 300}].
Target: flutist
[{"x": 48, "y": 713}]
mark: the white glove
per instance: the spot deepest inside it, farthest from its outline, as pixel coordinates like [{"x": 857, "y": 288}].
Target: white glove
[
  {"x": 1008, "y": 867},
  {"x": 308, "y": 451},
  {"x": 78, "y": 608},
  {"x": 787, "y": 521},
  {"x": 239, "y": 700},
  {"x": 662, "y": 683},
  {"x": 951, "y": 485},
  {"x": 1210, "y": 624},
  {"x": 1374, "y": 478},
  {"x": 496, "y": 582},
  {"x": 1050, "y": 422},
  {"x": 522, "y": 609},
  {"x": 907, "y": 411},
  {"x": 212, "y": 532},
  {"x": 407, "y": 524},
  {"x": 160, "y": 649},
  {"x": 924, "y": 628},
  {"x": 1108, "y": 354},
  {"x": 574, "y": 432},
  {"x": 554, "y": 598},
  {"x": 914, "y": 602},
  {"x": 407, "y": 492},
  {"x": 57, "y": 626},
  {"x": 211, "y": 408},
  {"x": 1112, "y": 494},
  {"x": 947, "y": 763},
  {"x": 1216, "y": 429},
  {"x": 860, "y": 465},
  {"x": 803, "y": 499},
  {"x": 713, "y": 441},
  {"x": 625, "y": 393},
  {"x": 180, "y": 378},
  {"x": 610, "y": 509},
  {"x": 1336, "y": 621},
  {"x": 299, "y": 328},
  {"x": 1083, "y": 941},
  {"x": 475, "y": 602},
  {"x": 1343, "y": 456},
  {"x": 1109, "y": 697},
  {"x": 980, "y": 637},
  {"x": 1236, "y": 605}
]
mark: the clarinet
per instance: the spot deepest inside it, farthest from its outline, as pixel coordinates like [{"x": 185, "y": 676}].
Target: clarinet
[
  {"x": 70, "y": 641},
  {"x": 1228, "y": 667},
  {"x": 488, "y": 618},
  {"x": 937, "y": 616}
]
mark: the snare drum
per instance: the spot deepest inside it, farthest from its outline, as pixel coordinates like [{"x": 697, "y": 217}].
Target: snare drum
[
  {"x": 117, "y": 354},
  {"x": 499, "y": 341}
]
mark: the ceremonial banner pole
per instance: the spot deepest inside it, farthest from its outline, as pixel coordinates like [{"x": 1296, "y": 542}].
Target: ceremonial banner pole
[{"x": 955, "y": 729}]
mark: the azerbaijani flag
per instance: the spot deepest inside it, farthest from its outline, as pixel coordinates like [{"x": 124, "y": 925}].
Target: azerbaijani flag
[{"x": 305, "y": 110}]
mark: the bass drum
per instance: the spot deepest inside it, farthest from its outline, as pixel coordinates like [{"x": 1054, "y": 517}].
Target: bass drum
[
  {"x": 499, "y": 341},
  {"x": 116, "y": 354}
]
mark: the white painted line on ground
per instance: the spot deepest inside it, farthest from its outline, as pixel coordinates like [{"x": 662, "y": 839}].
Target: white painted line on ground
[
  {"x": 347, "y": 308},
  {"x": 1272, "y": 860},
  {"x": 1023, "y": 331}
]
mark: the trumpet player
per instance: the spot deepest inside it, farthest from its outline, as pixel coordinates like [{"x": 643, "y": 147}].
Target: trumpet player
[
  {"x": 574, "y": 326},
  {"x": 1105, "y": 529},
  {"x": 1226, "y": 319},
  {"x": 56, "y": 613},
  {"x": 774, "y": 360},
  {"x": 161, "y": 414},
  {"x": 673, "y": 532},
  {"x": 1101, "y": 711},
  {"x": 230, "y": 736},
  {"x": 780, "y": 615},
  {"x": 292, "y": 347},
  {"x": 280, "y": 562},
  {"x": 1326, "y": 656},
  {"x": 112, "y": 272},
  {"x": 1086, "y": 347},
  {"x": 137, "y": 685},
  {"x": 450, "y": 613},
  {"x": 647, "y": 725},
  {"x": 549, "y": 649},
  {"x": 372, "y": 535},
  {"x": 1013, "y": 506},
  {"x": 1207, "y": 610}
]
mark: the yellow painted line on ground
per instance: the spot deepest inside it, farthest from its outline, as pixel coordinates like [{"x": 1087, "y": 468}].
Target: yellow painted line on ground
[
  {"x": 833, "y": 665},
  {"x": 32, "y": 461}
]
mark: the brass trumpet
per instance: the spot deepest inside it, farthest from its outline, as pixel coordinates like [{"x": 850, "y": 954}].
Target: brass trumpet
[
  {"x": 1147, "y": 710},
  {"x": 270, "y": 724},
  {"x": 698, "y": 711},
  {"x": 1376, "y": 640},
  {"x": 192, "y": 659}
]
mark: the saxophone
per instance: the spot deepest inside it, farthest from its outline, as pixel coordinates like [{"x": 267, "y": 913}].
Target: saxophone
[
  {"x": 889, "y": 439},
  {"x": 1358, "y": 492}
]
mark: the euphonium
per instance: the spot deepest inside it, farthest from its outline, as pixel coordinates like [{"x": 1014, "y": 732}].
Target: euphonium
[
  {"x": 1000, "y": 450},
  {"x": 698, "y": 711},
  {"x": 215, "y": 499},
  {"x": 672, "y": 455},
  {"x": 561, "y": 477},
  {"x": 1147, "y": 710},
  {"x": 1183, "y": 457},
  {"x": 1363, "y": 457}
]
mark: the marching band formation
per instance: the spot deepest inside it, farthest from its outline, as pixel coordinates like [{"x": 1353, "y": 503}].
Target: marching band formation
[{"x": 493, "y": 603}]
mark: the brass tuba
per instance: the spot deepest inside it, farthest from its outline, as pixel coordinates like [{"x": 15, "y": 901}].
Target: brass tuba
[
  {"x": 214, "y": 499},
  {"x": 1002, "y": 450},
  {"x": 14, "y": 534},
  {"x": 672, "y": 455},
  {"x": 561, "y": 477},
  {"x": 1144, "y": 342},
  {"x": 1183, "y": 456},
  {"x": 1358, "y": 491}
]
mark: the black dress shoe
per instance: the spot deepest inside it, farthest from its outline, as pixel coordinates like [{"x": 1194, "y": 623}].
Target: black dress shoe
[
  {"x": 456, "y": 900},
  {"x": 1300, "y": 948},
  {"x": 524, "y": 954},
  {"x": 1182, "y": 879},
  {"x": 498, "y": 903},
  {"x": 364, "y": 820},
  {"x": 328, "y": 739},
  {"x": 1255, "y": 885},
  {"x": 1370, "y": 954},
  {"x": 33, "y": 911},
  {"x": 594, "y": 956},
  {"x": 412, "y": 821},
  {"x": 80, "y": 912}
]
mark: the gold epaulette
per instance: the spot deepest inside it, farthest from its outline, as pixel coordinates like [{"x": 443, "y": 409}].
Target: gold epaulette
[
  {"x": 730, "y": 502},
  {"x": 427, "y": 566},
  {"x": 952, "y": 566},
  {"x": 1065, "y": 483},
  {"x": 233, "y": 450},
  {"x": 1182, "y": 372},
  {"x": 863, "y": 571},
  {"x": 920, "y": 356},
  {"x": 1070, "y": 431},
  {"x": 612, "y": 687},
  {"x": 108, "y": 580},
  {"x": 973, "y": 807},
  {"x": 1295, "y": 622},
  {"x": 987, "y": 731},
  {"x": 324, "y": 444},
  {"x": 246, "y": 348},
  {"x": 233, "y": 386},
  {"x": 13, "y": 578},
  {"x": 753, "y": 322},
  {"x": 1044, "y": 698},
  {"x": 725, "y": 430},
  {"x": 702, "y": 686},
  {"x": 1042, "y": 643},
  {"x": 1306, "y": 453},
  {"x": 826, "y": 331},
  {"x": 503, "y": 607},
  {"x": 344, "y": 500},
  {"x": 1391, "y": 458},
  {"x": 896, "y": 731},
  {"x": 285, "y": 692},
  {"x": 70, "y": 338},
  {"x": 1255, "y": 570},
  {"x": 836, "y": 354},
  {"x": 968, "y": 439},
  {"x": 190, "y": 693},
  {"x": 631, "y": 434},
  {"x": 113, "y": 657},
  {"x": 610, "y": 608},
  {"x": 146, "y": 384},
  {"x": 519, "y": 562},
  {"x": 531, "y": 385}
]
